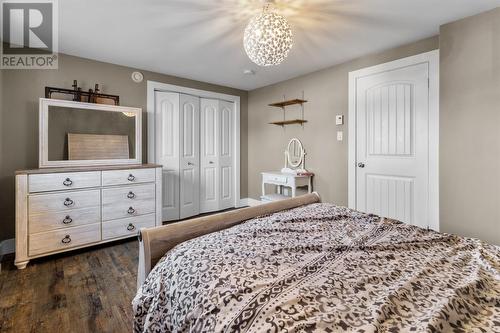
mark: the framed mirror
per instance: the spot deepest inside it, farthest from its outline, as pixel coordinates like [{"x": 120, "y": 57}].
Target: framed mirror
[
  {"x": 86, "y": 134},
  {"x": 295, "y": 153}
]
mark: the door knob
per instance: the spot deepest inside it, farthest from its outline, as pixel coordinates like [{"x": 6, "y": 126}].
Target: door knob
[
  {"x": 361, "y": 165},
  {"x": 189, "y": 163},
  {"x": 210, "y": 162}
]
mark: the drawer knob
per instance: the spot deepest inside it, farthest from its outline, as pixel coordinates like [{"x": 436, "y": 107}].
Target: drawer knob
[
  {"x": 131, "y": 210},
  {"x": 131, "y": 178},
  {"x": 66, "y": 239},
  {"x": 67, "y": 220},
  {"x": 67, "y": 182},
  {"x": 68, "y": 202},
  {"x": 130, "y": 227},
  {"x": 131, "y": 195}
]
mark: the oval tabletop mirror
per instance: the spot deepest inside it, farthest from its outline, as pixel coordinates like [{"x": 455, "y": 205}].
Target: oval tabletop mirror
[
  {"x": 294, "y": 157},
  {"x": 295, "y": 153}
]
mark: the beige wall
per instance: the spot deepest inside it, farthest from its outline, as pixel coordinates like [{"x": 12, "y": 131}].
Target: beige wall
[
  {"x": 470, "y": 127},
  {"x": 19, "y": 114},
  {"x": 327, "y": 95}
]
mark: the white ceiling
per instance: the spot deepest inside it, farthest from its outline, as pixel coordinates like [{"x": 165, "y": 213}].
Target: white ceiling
[{"x": 202, "y": 39}]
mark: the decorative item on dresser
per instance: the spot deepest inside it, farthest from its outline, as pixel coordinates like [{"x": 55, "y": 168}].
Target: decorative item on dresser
[
  {"x": 59, "y": 209},
  {"x": 90, "y": 96}
]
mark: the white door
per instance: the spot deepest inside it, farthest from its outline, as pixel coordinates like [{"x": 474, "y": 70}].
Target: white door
[
  {"x": 226, "y": 155},
  {"x": 392, "y": 143},
  {"x": 189, "y": 171},
  {"x": 209, "y": 155},
  {"x": 167, "y": 150}
]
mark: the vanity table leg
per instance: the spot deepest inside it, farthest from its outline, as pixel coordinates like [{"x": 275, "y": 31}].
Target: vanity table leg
[
  {"x": 309, "y": 186},
  {"x": 293, "y": 191},
  {"x": 263, "y": 189}
]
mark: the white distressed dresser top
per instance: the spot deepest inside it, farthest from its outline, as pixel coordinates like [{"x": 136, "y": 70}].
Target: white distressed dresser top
[{"x": 87, "y": 168}]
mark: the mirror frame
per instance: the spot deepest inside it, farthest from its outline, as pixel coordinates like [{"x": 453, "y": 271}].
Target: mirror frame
[
  {"x": 43, "y": 145},
  {"x": 302, "y": 153}
]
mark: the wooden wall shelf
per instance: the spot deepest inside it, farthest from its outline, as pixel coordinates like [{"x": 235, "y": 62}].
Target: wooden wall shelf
[
  {"x": 289, "y": 122},
  {"x": 282, "y": 105},
  {"x": 287, "y": 103}
]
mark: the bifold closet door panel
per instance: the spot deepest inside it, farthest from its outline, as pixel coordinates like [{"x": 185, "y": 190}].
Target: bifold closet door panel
[
  {"x": 189, "y": 171},
  {"x": 195, "y": 144},
  {"x": 167, "y": 150},
  {"x": 209, "y": 155},
  {"x": 226, "y": 155}
]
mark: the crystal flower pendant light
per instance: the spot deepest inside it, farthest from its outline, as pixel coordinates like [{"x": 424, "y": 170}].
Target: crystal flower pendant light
[{"x": 268, "y": 38}]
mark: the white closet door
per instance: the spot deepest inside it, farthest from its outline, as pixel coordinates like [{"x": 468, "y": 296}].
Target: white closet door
[
  {"x": 189, "y": 155},
  {"x": 226, "y": 155},
  {"x": 167, "y": 150},
  {"x": 209, "y": 155}
]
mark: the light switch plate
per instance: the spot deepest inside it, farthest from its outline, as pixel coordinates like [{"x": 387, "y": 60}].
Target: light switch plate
[
  {"x": 340, "y": 136},
  {"x": 339, "y": 119}
]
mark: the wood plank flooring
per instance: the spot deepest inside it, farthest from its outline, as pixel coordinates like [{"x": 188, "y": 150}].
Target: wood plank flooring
[{"x": 87, "y": 290}]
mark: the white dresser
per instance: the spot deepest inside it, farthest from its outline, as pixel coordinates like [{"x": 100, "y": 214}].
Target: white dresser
[{"x": 59, "y": 209}]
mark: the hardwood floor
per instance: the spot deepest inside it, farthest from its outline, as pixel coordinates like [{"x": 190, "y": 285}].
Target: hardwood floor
[{"x": 82, "y": 291}]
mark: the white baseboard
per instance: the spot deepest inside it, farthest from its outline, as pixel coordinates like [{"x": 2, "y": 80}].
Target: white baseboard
[
  {"x": 7, "y": 246},
  {"x": 249, "y": 202}
]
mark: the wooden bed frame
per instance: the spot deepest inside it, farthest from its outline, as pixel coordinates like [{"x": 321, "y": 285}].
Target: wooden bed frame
[{"x": 155, "y": 242}]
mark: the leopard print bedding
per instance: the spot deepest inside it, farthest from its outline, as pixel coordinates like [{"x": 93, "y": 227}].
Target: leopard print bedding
[{"x": 323, "y": 268}]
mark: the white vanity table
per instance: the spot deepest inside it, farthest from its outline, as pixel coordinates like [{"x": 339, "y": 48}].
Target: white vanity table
[
  {"x": 292, "y": 176},
  {"x": 281, "y": 179}
]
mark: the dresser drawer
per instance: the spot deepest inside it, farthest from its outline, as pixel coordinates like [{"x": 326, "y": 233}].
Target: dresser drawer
[
  {"x": 275, "y": 179},
  {"x": 66, "y": 201},
  {"x": 129, "y": 226},
  {"x": 131, "y": 176},
  {"x": 63, "y": 181},
  {"x": 58, "y": 220},
  {"x": 61, "y": 240},
  {"x": 128, "y": 201}
]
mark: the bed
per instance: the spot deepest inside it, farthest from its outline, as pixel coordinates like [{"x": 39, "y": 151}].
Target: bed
[{"x": 306, "y": 266}]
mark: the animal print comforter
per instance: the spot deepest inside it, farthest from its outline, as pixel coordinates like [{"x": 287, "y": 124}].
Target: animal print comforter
[{"x": 323, "y": 268}]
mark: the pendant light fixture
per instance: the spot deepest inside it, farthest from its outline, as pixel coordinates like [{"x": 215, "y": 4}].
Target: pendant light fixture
[{"x": 268, "y": 37}]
